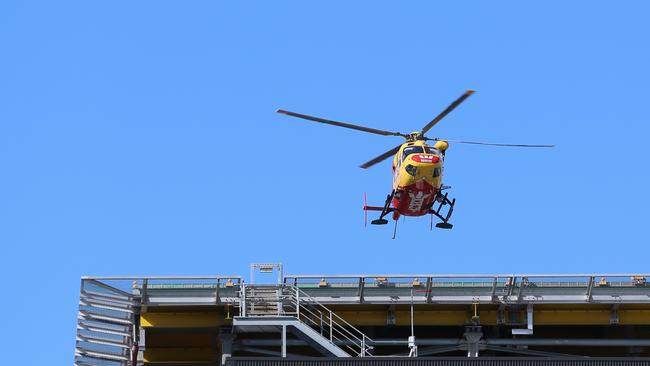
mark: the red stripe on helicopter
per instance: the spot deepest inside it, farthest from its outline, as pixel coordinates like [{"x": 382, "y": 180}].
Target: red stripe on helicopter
[{"x": 425, "y": 158}]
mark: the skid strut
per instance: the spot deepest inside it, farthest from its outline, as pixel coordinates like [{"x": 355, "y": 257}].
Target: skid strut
[
  {"x": 385, "y": 211},
  {"x": 444, "y": 201}
]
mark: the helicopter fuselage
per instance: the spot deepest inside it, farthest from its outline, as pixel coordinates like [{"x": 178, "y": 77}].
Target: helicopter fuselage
[{"x": 417, "y": 177}]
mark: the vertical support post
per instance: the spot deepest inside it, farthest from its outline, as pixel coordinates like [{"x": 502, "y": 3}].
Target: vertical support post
[
  {"x": 412, "y": 326},
  {"x": 142, "y": 344},
  {"x": 590, "y": 287},
  {"x": 473, "y": 335},
  {"x": 413, "y": 349},
  {"x": 524, "y": 283},
  {"x": 512, "y": 281},
  {"x": 284, "y": 341},
  {"x": 494, "y": 288},
  {"x": 135, "y": 342},
  {"x": 613, "y": 315},
  {"x": 226, "y": 337},
  {"x": 297, "y": 303},
  {"x": 472, "y": 350},
  {"x": 501, "y": 314},
  {"x": 216, "y": 292},
  {"x": 362, "y": 281},
  {"x": 529, "y": 322},
  {"x": 143, "y": 293},
  {"x": 242, "y": 305},
  {"x": 331, "y": 331}
]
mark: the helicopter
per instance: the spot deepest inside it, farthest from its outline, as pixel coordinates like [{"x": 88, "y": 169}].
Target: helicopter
[{"x": 417, "y": 188}]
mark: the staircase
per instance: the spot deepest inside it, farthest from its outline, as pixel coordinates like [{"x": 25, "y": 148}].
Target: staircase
[{"x": 272, "y": 308}]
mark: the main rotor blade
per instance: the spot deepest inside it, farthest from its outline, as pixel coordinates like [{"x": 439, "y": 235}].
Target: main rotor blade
[
  {"x": 451, "y": 107},
  {"x": 341, "y": 124},
  {"x": 381, "y": 157},
  {"x": 490, "y": 143}
]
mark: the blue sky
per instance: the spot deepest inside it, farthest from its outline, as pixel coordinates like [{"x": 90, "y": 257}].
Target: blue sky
[{"x": 139, "y": 138}]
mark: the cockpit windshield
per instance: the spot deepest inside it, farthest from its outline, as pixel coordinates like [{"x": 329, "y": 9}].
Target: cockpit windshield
[
  {"x": 419, "y": 150},
  {"x": 432, "y": 150},
  {"x": 412, "y": 150}
]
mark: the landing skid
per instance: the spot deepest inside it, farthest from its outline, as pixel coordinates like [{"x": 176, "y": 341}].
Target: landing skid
[
  {"x": 441, "y": 201},
  {"x": 444, "y": 201},
  {"x": 384, "y": 211},
  {"x": 444, "y": 225}
]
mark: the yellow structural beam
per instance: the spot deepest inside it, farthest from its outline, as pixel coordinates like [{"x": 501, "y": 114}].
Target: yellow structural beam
[
  {"x": 182, "y": 339},
  {"x": 197, "y": 319},
  {"x": 543, "y": 315},
  {"x": 571, "y": 317},
  {"x": 634, "y": 317},
  {"x": 421, "y": 317},
  {"x": 179, "y": 355}
]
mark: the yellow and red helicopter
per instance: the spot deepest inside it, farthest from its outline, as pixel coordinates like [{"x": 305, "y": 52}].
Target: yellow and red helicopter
[{"x": 417, "y": 169}]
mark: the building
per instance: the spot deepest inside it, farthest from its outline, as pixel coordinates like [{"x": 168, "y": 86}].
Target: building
[{"x": 382, "y": 319}]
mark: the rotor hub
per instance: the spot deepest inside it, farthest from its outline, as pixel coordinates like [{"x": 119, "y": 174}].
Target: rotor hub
[{"x": 414, "y": 136}]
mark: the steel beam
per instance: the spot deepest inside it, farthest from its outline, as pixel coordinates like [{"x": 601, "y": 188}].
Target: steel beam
[
  {"x": 540, "y": 342},
  {"x": 527, "y": 352}
]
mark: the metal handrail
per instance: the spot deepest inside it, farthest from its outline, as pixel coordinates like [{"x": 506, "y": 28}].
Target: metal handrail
[
  {"x": 334, "y": 322},
  {"x": 291, "y": 301},
  {"x": 500, "y": 285},
  {"x": 290, "y": 277}
]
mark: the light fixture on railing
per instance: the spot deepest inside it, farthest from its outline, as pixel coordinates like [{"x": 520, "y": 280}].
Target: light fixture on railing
[
  {"x": 322, "y": 283},
  {"x": 603, "y": 282}
]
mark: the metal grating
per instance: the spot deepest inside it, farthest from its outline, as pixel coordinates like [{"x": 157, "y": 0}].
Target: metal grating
[{"x": 442, "y": 361}]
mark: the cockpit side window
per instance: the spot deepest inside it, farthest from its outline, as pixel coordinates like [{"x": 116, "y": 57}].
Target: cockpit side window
[{"x": 412, "y": 150}]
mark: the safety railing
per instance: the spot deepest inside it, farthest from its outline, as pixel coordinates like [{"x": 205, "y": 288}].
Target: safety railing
[
  {"x": 328, "y": 323},
  {"x": 506, "y": 288},
  {"x": 291, "y": 301}
]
